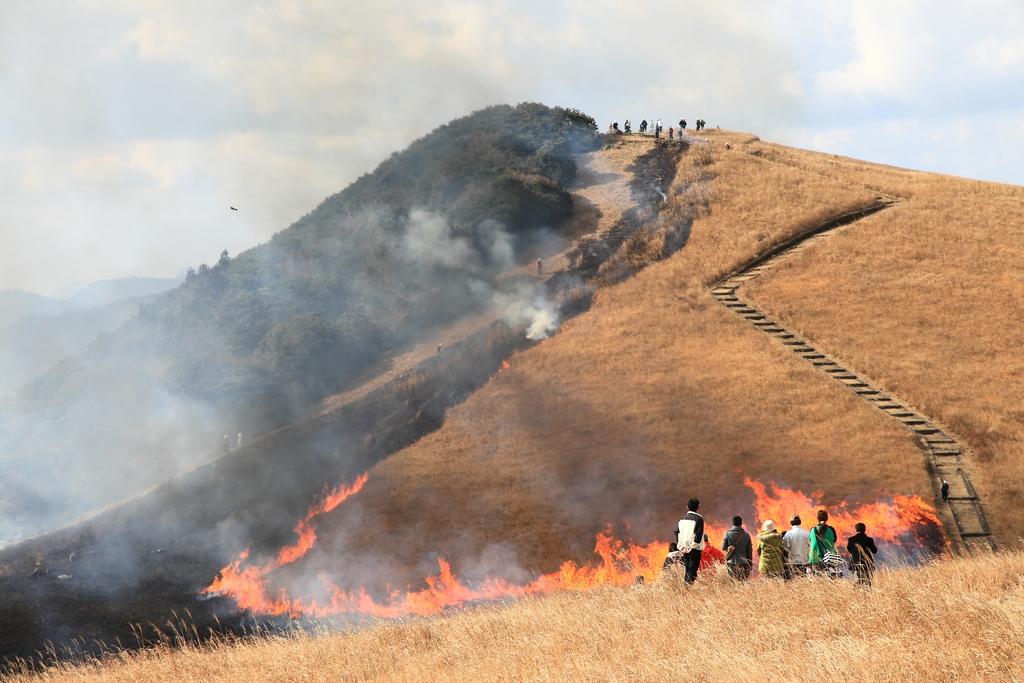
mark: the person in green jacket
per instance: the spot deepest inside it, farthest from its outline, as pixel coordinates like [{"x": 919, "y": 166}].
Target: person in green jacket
[
  {"x": 771, "y": 553},
  {"x": 823, "y": 541}
]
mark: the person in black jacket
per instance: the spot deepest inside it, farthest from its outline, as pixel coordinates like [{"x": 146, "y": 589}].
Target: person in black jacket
[
  {"x": 862, "y": 551},
  {"x": 739, "y": 557}
]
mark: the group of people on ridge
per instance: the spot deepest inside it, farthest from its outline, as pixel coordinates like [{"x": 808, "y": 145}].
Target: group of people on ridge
[
  {"x": 627, "y": 128},
  {"x": 797, "y": 552}
]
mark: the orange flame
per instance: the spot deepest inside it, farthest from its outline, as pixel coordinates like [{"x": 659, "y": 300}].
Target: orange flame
[
  {"x": 617, "y": 563},
  {"x": 248, "y": 585},
  {"x": 891, "y": 522}
]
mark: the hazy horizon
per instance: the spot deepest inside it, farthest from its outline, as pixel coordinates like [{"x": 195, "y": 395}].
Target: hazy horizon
[{"x": 132, "y": 127}]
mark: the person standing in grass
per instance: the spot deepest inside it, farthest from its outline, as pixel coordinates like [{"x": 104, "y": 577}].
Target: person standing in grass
[
  {"x": 822, "y": 546},
  {"x": 690, "y": 539},
  {"x": 738, "y": 550},
  {"x": 862, "y": 555},
  {"x": 798, "y": 545},
  {"x": 771, "y": 553}
]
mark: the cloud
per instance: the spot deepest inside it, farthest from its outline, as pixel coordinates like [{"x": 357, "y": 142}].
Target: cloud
[{"x": 128, "y": 126}]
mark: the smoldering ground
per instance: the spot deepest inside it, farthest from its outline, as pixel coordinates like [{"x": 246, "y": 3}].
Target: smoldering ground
[{"x": 62, "y": 462}]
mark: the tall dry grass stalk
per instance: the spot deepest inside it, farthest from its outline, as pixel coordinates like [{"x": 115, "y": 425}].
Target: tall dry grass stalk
[{"x": 959, "y": 619}]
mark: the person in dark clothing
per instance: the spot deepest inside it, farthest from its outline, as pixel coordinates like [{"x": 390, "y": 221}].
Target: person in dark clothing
[
  {"x": 739, "y": 557},
  {"x": 682, "y": 124},
  {"x": 643, "y": 126},
  {"x": 862, "y": 551},
  {"x": 945, "y": 490}
]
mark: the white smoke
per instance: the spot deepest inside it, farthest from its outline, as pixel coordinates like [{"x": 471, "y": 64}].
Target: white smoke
[
  {"x": 428, "y": 240},
  {"x": 528, "y": 305},
  {"x": 500, "y": 245}
]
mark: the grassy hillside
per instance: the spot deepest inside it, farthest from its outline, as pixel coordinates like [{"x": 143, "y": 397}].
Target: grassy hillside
[
  {"x": 253, "y": 342},
  {"x": 655, "y": 393},
  {"x": 155, "y": 553},
  {"x": 926, "y": 298},
  {"x": 716, "y": 631}
]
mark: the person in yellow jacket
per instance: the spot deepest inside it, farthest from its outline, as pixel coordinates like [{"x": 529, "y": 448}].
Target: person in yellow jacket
[{"x": 771, "y": 552}]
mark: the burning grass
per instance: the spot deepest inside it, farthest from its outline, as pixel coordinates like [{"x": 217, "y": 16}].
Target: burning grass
[
  {"x": 905, "y": 527},
  {"x": 810, "y": 630},
  {"x": 654, "y": 394}
]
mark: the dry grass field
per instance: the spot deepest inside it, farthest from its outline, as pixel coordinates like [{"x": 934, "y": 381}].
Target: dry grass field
[
  {"x": 658, "y": 393},
  {"x": 654, "y": 395},
  {"x": 926, "y": 299},
  {"x": 959, "y": 620}
]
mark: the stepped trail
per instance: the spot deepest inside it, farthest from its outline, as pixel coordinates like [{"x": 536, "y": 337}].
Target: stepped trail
[{"x": 942, "y": 450}]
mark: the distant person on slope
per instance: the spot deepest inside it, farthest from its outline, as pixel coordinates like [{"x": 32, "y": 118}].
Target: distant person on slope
[
  {"x": 671, "y": 133},
  {"x": 690, "y": 539},
  {"x": 643, "y": 126},
  {"x": 822, "y": 554},
  {"x": 862, "y": 555},
  {"x": 627, "y": 127},
  {"x": 771, "y": 552},
  {"x": 738, "y": 550},
  {"x": 945, "y": 490},
  {"x": 682, "y": 125},
  {"x": 798, "y": 546},
  {"x": 540, "y": 266}
]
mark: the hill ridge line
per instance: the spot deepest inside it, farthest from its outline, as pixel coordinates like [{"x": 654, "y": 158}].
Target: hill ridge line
[{"x": 943, "y": 451}]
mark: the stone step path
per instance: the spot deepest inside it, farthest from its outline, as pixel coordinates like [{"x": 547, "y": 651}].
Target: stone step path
[{"x": 944, "y": 452}]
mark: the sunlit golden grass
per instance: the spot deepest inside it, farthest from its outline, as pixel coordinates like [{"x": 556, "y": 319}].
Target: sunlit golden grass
[
  {"x": 656, "y": 394},
  {"x": 957, "y": 620},
  {"x": 924, "y": 298}
]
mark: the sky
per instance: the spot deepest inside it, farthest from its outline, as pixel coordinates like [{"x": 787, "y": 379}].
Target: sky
[{"x": 128, "y": 127}]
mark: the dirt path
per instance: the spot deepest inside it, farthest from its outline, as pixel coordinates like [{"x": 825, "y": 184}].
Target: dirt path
[{"x": 942, "y": 450}]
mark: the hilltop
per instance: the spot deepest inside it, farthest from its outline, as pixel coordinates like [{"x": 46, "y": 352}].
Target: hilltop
[{"x": 696, "y": 357}]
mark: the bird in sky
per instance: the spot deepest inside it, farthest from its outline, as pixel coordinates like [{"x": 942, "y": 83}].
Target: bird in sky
[{"x": 233, "y": 208}]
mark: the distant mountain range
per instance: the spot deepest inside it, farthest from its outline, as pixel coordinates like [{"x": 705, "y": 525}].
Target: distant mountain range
[
  {"x": 37, "y": 331},
  {"x": 16, "y": 303}
]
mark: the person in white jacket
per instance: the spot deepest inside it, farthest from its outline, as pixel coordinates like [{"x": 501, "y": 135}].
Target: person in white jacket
[
  {"x": 797, "y": 542},
  {"x": 690, "y": 540}
]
